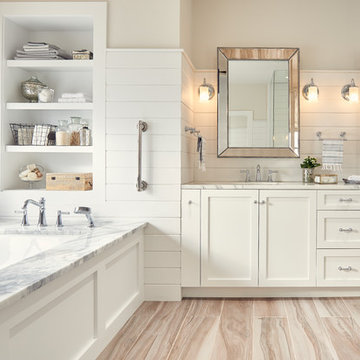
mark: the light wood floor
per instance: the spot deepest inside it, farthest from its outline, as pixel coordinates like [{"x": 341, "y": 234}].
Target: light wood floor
[{"x": 241, "y": 329}]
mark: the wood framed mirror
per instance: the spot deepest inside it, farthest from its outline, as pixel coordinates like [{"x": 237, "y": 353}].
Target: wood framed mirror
[{"x": 258, "y": 102}]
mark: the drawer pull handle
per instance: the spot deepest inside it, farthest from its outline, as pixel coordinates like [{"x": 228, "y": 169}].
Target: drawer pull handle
[
  {"x": 347, "y": 268},
  {"x": 346, "y": 200},
  {"x": 345, "y": 230},
  {"x": 262, "y": 202}
]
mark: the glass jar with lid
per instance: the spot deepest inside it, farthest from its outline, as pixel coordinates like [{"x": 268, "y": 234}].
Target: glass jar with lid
[
  {"x": 62, "y": 135},
  {"x": 74, "y": 127}
]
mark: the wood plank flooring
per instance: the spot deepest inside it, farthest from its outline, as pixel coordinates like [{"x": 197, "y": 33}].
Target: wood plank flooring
[{"x": 241, "y": 329}]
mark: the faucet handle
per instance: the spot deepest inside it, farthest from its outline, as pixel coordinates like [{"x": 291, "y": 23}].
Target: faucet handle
[
  {"x": 247, "y": 172},
  {"x": 24, "y": 220},
  {"x": 270, "y": 173},
  {"x": 59, "y": 222}
]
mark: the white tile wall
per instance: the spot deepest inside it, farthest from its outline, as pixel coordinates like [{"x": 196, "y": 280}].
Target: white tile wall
[
  {"x": 330, "y": 115},
  {"x": 147, "y": 85}
]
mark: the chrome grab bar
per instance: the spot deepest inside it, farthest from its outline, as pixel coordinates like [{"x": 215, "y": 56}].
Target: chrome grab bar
[{"x": 141, "y": 185}]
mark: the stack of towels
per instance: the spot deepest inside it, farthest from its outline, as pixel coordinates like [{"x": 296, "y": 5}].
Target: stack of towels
[
  {"x": 41, "y": 51},
  {"x": 74, "y": 98},
  {"x": 355, "y": 178}
]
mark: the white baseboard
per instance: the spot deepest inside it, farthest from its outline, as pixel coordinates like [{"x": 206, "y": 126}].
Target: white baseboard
[
  {"x": 162, "y": 292},
  {"x": 268, "y": 292}
]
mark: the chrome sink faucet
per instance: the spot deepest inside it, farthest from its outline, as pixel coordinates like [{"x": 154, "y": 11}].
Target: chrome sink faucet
[
  {"x": 87, "y": 212},
  {"x": 258, "y": 173},
  {"x": 41, "y": 205}
]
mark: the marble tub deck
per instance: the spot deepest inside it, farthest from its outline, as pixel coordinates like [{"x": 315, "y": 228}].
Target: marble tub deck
[{"x": 21, "y": 279}]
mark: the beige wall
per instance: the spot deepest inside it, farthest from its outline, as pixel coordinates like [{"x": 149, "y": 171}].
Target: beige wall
[
  {"x": 327, "y": 31},
  {"x": 186, "y": 26},
  {"x": 142, "y": 23}
]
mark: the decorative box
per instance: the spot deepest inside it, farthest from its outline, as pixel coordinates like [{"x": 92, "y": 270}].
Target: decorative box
[
  {"x": 82, "y": 54},
  {"x": 69, "y": 181},
  {"x": 326, "y": 179}
]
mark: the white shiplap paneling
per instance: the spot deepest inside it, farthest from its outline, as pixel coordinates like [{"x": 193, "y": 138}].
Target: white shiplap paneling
[{"x": 147, "y": 85}]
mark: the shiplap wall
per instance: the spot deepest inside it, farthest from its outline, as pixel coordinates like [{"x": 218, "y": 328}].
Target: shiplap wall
[
  {"x": 330, "y": 115},
  {"x": 147, "y": 85},
  {"x": 188, "y": 141}
]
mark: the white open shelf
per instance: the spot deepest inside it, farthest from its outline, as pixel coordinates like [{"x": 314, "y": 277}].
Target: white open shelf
[
  {"x": 53, "y": 65},
  {"x": 48, "y": 106},
  {"x": 49, "y": 149}
]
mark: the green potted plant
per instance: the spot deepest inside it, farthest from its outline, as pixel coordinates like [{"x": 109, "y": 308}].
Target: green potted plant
[{"x": 308, "y": 166}]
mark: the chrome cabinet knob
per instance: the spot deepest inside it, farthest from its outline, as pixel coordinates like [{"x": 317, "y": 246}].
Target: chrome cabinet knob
[
  {"x": 190, "y": 202},
  {"x": 346, "y": 268},
  {"x": 345, "y": 229}
]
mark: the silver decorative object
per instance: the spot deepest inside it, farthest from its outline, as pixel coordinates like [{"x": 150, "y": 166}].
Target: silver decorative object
[
  {"x": 308, "y": 175},
  {"x": 46, "y": 95},
  {"x": 30, "y": 89}
]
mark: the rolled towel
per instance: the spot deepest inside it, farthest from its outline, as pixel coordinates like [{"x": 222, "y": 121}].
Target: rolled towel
[{"x": 354, "y": 178}]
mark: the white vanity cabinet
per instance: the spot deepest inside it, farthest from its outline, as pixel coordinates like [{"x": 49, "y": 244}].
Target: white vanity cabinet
[
  {"x": 247, "y": 238},
  {"x": 229, "y": 232},
  {"x": 287, "y": 238}
]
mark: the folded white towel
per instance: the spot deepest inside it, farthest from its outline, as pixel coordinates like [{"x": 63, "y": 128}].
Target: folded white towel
[
  {"x": 74, "y": 100},
  {"x": 73, "y": 95},
  {"x": 354, "y": 177}
]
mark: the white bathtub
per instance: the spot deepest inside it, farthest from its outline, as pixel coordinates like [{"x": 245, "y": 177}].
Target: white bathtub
[
  {"x": 79, "y": 285},
  {"x": 18, "y": 244}
]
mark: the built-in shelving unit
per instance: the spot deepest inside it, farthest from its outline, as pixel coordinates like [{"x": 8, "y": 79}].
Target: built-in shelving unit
[
  {"x": 48, "y": 106},
  {"x": 70, "y": 26},
  {"x": 49, "y": 149},
  {"x": 52, "y": 65}
]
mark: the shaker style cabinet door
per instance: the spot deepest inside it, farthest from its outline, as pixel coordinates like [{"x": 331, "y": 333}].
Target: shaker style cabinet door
[
  {"x": 190, "y": 238},
  {"x": 229, "y": 238},
  {"x": 287, "y": 239}
]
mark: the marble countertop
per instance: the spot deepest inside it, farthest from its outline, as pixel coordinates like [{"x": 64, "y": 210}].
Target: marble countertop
[
  {"x": 22, "y": 278},
  {"x": 223, "y": 185}
]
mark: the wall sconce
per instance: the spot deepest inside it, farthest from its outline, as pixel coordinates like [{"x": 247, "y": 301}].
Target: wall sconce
[
  {"x": 350, "y": 92},
  {"x": 311, "y": 91},
  {"x": 206, "y": 91}
]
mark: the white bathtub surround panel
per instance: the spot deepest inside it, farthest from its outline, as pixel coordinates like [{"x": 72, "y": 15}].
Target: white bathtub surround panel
[
  {"x": 330, "y": 115},
  {"x": 45, "y": 267},
  {"x": 84, "y": 307},
  {"x": 146, "y": 84}
]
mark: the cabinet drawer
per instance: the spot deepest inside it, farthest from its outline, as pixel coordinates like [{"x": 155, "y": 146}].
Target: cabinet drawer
[
  {"x": 338, "y": 267},
  {"x": 339, "y": 200},
  {"x": 338, "y": 229}
]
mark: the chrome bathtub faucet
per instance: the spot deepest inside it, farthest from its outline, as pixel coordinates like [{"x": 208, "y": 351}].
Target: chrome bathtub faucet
[
  {"x": 87, "y": 212},
  {"x": 41, "y": 205}
]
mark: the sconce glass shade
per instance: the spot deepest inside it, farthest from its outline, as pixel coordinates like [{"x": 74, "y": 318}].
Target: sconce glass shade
[
  {"x": 206, "y": 91},
  {"x": 311, "y": 91},
  {"x": 350, "y": 92}
]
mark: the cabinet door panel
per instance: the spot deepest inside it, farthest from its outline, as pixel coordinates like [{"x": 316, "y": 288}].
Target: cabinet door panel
[
  {"x": 229, "y": 238},
  {"x": 190, "y": 238},
  {"x": 287, "y": 243}
]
